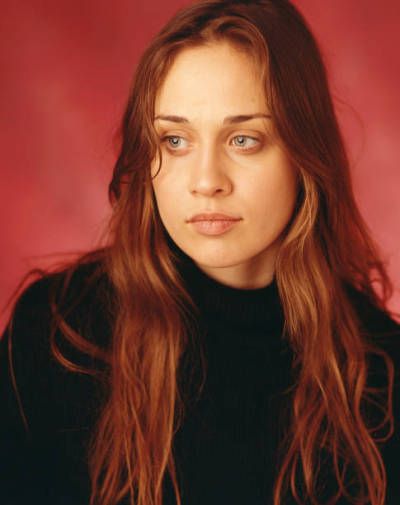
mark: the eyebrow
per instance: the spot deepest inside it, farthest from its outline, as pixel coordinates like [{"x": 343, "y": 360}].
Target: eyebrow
[{"x": 241, "y": 118}]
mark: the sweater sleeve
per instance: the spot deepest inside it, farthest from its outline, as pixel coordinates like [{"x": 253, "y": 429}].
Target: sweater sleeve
[
  {"x": 21, "y": 353},
  {"x": 384, "y": 332},
  {"x": 390, "y": 449},
  {"x": 48, "y": 412}
]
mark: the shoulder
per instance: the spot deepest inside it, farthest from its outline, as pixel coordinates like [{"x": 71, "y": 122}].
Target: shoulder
[
  {"x": 379, "y": 330},
  {"x": 84, "y": 282},
  {"x": 79, "y": 294},
  {"x": 40, "y": 392},
  {"x": 375, "y": 321}
]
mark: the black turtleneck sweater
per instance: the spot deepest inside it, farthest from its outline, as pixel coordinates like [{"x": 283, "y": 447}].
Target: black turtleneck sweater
[{"x": 227, "y": 448}]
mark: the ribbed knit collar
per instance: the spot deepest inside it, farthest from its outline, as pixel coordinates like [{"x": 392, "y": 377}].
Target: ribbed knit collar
[{"x": 242, "y": 308}]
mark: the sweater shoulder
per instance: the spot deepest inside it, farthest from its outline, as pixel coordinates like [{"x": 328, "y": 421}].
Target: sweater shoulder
[
  {"x": 82, "y": 284},
  {"x": 376, "y": 322},
  {"x": 81, "y": 296},
  {"x": 382, "y": 331}
]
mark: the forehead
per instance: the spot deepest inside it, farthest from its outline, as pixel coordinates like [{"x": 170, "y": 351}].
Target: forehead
[{"x": 211, "y": 78}]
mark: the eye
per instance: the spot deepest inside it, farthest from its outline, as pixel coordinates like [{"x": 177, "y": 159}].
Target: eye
[
  {"x": 174, "y": 141},
  {"x": 242, "y": 141}
]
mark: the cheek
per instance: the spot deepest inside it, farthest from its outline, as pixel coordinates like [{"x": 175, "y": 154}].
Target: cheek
[
  {"x": 167, "y": 195},
  {"x": 274, "y": 195},
  {"x": 166, "y": 201}
]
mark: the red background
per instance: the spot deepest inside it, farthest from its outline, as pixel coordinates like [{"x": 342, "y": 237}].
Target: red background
[{"x": 66, "y": 68}]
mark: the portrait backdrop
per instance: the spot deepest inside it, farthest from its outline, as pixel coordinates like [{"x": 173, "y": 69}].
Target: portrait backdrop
[{"x": 66, "y": 68}]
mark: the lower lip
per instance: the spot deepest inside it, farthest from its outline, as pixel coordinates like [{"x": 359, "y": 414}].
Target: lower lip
[{"x": 216, "y": 227}]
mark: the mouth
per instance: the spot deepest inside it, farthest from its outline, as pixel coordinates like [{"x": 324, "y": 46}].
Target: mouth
[
  {"x": 214, "y": 226},
  {"x": 213, "y": 216}
]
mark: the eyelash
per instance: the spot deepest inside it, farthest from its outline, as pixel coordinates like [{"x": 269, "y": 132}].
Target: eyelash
[{"x": 168, "y": 137}]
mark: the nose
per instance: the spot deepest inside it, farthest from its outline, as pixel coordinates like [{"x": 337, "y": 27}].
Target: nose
[{"x": 208, "y": 174}]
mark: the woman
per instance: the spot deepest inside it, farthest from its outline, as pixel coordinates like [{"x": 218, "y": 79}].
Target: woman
[{"x": 228, "y": 345}]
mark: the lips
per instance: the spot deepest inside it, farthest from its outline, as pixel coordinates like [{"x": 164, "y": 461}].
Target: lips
[{"x": 213, "y": 217}]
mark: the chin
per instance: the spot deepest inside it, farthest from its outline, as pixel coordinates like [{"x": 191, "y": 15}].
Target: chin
[{"x": 219, "y": 259}]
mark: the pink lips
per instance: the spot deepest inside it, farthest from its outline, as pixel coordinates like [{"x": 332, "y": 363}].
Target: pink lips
[{"x": 213, "y": 223}]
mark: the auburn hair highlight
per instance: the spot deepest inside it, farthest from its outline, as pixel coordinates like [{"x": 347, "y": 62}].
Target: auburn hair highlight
[{"x": 327, "y": 252}]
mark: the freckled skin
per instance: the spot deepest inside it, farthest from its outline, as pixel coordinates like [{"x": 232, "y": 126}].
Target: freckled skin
[{"x": 233, "y": 168}]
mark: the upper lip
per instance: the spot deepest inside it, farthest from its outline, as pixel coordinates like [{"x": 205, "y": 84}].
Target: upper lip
[{"x": 213, "y": 216}]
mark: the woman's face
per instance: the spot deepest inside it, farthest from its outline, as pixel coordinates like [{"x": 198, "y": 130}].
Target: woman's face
[{"x": 211, "y": 163}]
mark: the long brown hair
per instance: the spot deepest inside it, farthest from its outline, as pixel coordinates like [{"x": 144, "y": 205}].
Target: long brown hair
[{"x": 327, "y": 246}]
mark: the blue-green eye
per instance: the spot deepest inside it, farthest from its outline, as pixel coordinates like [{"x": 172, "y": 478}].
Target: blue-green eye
[
  {"x": 173, "y": 141},
  {"x": 242, "y": 141}
]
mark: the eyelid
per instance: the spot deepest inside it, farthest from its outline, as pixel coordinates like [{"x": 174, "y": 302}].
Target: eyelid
[{"x": 252, "y": 137}]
